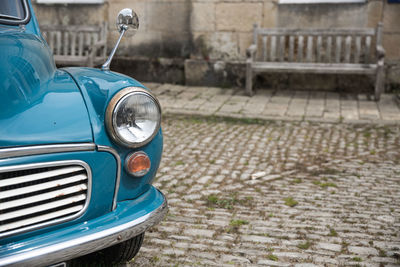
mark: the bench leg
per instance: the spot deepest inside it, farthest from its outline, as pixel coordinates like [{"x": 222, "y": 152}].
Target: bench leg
[
  {"x": 249, "y": 78},
  {"x": 380, "y": 81}
]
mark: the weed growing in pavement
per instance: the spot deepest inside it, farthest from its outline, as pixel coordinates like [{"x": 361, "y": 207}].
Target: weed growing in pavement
[
  {"x": 332, "y": 232},
  {"x": 305, "y": 245},
  {"x": 357, "y": 259},
  {"x": 324, "y": 185},
  {"x": 297, "y": 181},
  {"x": 327, "y": 171},
  {"x": 272, "y": 257},
  {"x": 289, "y": 201},
  {"x": 235, "y": 224},
  {"x": 382, "y": 253},
  {"x": 179, "y": 162},
  {"x": 227, "y": 203}
]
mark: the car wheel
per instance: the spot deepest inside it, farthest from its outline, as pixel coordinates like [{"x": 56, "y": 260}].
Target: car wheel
[
  {"x": 119, "y": 253},
  {"x": 124, "y": 251}
]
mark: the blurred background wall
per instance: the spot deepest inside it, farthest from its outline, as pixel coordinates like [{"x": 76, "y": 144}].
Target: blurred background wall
[{"x": 203, "y": 42}]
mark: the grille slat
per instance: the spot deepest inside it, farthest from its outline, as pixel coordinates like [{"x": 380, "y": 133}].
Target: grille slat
[
  {"x": 41, "y": 218},
  {"x": 41, "y": 208},
  {"x": 40, "y": 194},
  {"x": 39, "y": 176},
  {"x": 45, "y": 196},
  {"x": 39, "y": 187}
]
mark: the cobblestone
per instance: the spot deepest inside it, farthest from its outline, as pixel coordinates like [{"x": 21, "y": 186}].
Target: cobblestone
[{"x": 325, "y": 194}]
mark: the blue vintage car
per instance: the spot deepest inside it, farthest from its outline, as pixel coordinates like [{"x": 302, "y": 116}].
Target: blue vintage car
[{"x": 79, "y": 149}]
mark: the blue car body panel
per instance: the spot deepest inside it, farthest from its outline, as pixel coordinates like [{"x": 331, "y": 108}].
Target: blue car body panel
[
  {"x": 98, "y": 87},
  {"x": 43, "y": 105}
]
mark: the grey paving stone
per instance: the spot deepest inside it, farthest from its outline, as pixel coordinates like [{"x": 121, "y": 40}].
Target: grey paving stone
[
  {"x": 332, "y": 106},
  {"x": 316, "y": 104},
  {"x": 298, "y": 104},
  {"x": 329, "y": 246},
  {"x": 363, "y": 250},
  {"x": 368, "y": 110},
  {"x": 234, "y": 105}
]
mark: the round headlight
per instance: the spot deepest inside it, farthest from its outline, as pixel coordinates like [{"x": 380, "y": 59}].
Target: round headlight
[{"x": 133, "y": 117}]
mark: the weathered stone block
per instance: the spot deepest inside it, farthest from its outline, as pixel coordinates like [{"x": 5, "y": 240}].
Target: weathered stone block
[
  {"x": 168, "y": 16},
  {"x": 374, "y": 13},
  {"x": 270, "y": 14},
  {"x": 391, "y": 19},
  {"x": 217, "y": 45},
  {"x": 322, "y": 16},
  {"x": 238, "y": 16},
  {"x": 160, "y": 70},
  {"x": 203, "y": 17},
  {"x": 391, "y": 43},
  {"x": 214, "y": 73},
  {"x": 143, "y": 43}
]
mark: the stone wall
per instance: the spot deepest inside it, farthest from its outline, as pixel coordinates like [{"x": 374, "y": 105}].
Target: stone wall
[{"x": 207, "y": 39}]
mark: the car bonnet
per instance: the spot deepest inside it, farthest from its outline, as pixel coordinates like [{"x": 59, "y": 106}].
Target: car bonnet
[{"x": 38, "y": 103}]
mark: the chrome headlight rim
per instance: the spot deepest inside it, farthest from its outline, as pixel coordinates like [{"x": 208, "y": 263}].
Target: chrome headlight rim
[{"x": 110, "y": 113}]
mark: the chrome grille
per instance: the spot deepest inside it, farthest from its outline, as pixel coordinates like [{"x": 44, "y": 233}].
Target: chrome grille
[{"x": 37, "y": 195}]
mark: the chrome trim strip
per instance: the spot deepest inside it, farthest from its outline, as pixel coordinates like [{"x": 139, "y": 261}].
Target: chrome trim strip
[
  {"x": 118, "y": 179},
  {"x": 44, "y": 149},
  {"x": 19, "y": 21},
  {"x": 44, "y": 165},
  {"x": 87, "y": 244}
]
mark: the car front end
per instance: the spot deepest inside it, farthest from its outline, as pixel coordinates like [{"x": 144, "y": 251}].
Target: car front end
[{"x": 79, "y": 149}]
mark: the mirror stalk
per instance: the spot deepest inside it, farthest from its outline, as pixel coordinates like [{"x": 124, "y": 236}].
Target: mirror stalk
[
  {"x": 106, "y": 65},
  {"x": 126, "y": 19}
]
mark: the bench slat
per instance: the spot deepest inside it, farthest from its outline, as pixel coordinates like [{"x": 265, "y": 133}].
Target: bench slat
[
  {"x": 329, "y": 49},
  {"x": 300, "y": 51},
  {"x": 358, "y": 50},
  {"x": 347, "y": 49},
  {"x": 314, "y": 67},
  {"x": 264, "y": 50},
  {"x": 81, "y": 36},
  {"x": 58, "y": 43},
  {"x": 338, "y": 53},
  {"x": 367, "y": 49},
  {"x": 65, "y": 44},
  {"x": 319, "y": 49},
  {"x": 309, "y": 49},
  {"x": 282, "y": 47},
  {"x": 273, "y": 48},
  {"x": 291, "y": 48},
  {"x": 88, "y": 41},
  {"x": 316, "y": 32},
  {"x": 73, "y": 44}
]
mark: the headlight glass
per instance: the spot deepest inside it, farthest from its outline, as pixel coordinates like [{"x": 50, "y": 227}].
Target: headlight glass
[{"x": 135, "y": 118}]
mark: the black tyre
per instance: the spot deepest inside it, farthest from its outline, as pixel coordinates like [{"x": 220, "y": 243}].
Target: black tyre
[
  {"x": 119, "y": 253},
  {"x": 124, "y": 251}
]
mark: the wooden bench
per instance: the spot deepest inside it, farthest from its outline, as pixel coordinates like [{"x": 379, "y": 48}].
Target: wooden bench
[
  {"x": 77, "y": 45},
  {"x": 334, "y": 51}
]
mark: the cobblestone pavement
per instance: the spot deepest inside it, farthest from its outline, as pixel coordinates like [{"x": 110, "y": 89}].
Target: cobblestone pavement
[
  {"x": 282, "y": 105},
  {"x": 277, "y": 194}
]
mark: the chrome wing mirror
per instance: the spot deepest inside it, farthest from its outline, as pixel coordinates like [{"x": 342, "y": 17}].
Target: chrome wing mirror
[{"x": 126, "y": 20}]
